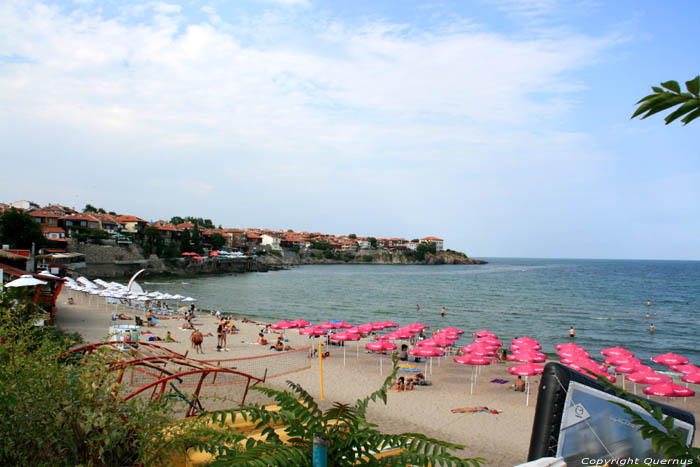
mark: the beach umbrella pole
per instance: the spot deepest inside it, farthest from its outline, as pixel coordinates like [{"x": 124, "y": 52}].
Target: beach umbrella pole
[
  {"x": 527, "y": 394},
  {"x": 343, "y": 356}
]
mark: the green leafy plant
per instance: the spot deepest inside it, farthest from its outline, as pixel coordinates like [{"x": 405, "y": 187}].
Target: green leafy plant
[
  {"x": 670, "y": 95},
  {"x": 352, "y": 439}
]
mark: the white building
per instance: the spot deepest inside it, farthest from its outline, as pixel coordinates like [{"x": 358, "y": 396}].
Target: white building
[
  {"x": 439, "y": 243},
  {"x": 274, "y": 242}
]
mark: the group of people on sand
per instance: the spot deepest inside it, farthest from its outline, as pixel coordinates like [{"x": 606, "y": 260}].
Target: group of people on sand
[
  {"x": 278, "y": 346},
  {"x": 404, "y": 384}
]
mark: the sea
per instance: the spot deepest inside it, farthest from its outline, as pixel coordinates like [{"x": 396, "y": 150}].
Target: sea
[{"x": 605, "y": 301}]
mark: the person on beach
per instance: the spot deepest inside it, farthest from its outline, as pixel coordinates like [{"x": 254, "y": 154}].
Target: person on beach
[
  {"x": 399, "y": 385},
  {"x": 518, "y": 385},
  {"x": 647, "y": 316},
  {"x": 572, "y": 333},
  {"x": 197, "y": 339},
  {"x": 442, "y": 312},
  {"x": 480, "y": 408},
  {"x": 261, "y": 339},
  {"x": 169, "y": 338},
  {"x": 220, "y": 336},
  {"x": 403, "y": 355}
]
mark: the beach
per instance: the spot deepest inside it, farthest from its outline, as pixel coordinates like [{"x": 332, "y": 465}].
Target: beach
[{"x": 502, "y": 439}]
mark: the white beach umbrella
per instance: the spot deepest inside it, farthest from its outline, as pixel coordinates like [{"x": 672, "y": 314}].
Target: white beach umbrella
[
  {"x": 27, "y": 280},
  {"x": 178, "y": 297},
  {"x": 47, "y": 274},
  {"x": 189, "y": 299}
]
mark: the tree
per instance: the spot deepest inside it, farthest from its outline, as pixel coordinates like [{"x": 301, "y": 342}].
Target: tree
[
  {"x": 373, "y": 242},
  {"x": 351, "y": 437},
  {"x": 89, "y": 208},
  {"x": 217, "y": 241},
  {"x": 185, "y": 244},
  {"x": 671, "y": 96},
  {"x": 196, "y": 239},
  {"x": 19, "y": 230},
  {"x": 353, "y": 236},
  {"x": 177, "y": 220}
]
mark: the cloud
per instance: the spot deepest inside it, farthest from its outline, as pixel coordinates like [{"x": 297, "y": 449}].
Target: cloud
[{"x": 327, "y": 108}]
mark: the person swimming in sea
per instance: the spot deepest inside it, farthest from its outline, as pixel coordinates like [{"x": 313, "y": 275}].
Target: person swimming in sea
[{"x": 572, "y": 333}]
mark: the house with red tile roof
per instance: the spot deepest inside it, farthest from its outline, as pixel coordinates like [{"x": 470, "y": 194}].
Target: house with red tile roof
[
  {"x": 79, "y": 220},
  {"x": 108, "y": 222},
  {"x": 45, "y": 217}
]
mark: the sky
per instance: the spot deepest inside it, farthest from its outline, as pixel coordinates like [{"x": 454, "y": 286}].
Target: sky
[{"x": 501, "y": 126}]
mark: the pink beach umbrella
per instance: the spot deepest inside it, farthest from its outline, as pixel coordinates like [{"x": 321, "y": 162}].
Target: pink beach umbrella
[
  {"x": 488, "y": 340},
  {"x": 527, "y": 356},
  {"x": 389, "y": 324},
  {"x": 526, "y": 370},
  {"x": 378, "y": 326},
  {"x": 615, "y": 361},
  {"x": 630, "y": 367},
  {"x": 427, "y": 352},
  {"x": 418, "y": 326},
  {"x": 692, "y": 378},
  {"x": 568, "y": 346},
  {"x": 668, "y": 390},
  {"x": 283, "y": 325},
  {"x": 365, "y": 328},
  {"x": 354, "y": 330},
  {"x": 343, "y": 325},
  {"x": 483, "y": 333},
  {"x": 478, "y": 350},
  {"x": 380, "y": 346},
  {"x": 647, "y": 377},
  {"x": 616, "y": 352},
  {"x": 300, "y": 323},
  {"x": 327, "y": 325},
  {"x": 452, "y": 330},
  {"x": 524, "y": 341},
  {"x": 685, "y": 369},
  {"x": 313, "y": 331},
  {"x": 573, "y": 353},
  {"x": 670, "y": 359},
  {"x": 474, "y": 361},
  {"x": 345, "y": 336},
  {"x": 515, "y": 347}
]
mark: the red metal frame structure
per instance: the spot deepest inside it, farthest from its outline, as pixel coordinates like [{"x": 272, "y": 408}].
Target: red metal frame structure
[{"x": 152, "y": 360}]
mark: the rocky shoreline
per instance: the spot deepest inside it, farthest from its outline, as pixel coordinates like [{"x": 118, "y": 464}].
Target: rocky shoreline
[{"x": 117, "y": 261}]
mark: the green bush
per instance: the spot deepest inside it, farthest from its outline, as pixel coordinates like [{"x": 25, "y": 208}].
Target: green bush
[{"x": 367, "y": 258}]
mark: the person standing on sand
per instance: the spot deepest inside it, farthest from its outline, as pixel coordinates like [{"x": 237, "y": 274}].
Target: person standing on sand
[
  {"x": 197, "y": 339},
  {"x": 442, "y": 312}
]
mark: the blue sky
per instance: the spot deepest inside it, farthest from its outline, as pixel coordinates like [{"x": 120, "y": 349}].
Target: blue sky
[{"x": 501, "y": 126}]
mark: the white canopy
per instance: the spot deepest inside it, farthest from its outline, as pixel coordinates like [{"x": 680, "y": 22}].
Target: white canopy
[{"x": 26, "y": 280}]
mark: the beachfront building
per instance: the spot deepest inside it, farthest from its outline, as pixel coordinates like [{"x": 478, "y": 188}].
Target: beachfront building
[
  {"x": 439, "y": 243},
  {"x": 132, "y": 224},
  {"x": 77, "y": 221},
  {"x": 412, "y": 246},
  {"x": 45, "y": 217},
  {"x": 272, "y": 242},
  {"x": 108, "y": 223},
  {"x": 166, "y": 230},
  {"x": 235, "y": 238},
  {"x": 363, "y": 243}
]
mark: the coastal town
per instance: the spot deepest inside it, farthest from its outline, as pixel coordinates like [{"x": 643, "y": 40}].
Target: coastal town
[{"x": 196, "y": 243}]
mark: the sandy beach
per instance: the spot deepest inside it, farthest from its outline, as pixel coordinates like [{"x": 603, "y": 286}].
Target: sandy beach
[{"x": 502, "y": 439}]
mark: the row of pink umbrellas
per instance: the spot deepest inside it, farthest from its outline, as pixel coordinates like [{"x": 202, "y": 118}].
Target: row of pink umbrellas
[{"x": 624, "y": 362}]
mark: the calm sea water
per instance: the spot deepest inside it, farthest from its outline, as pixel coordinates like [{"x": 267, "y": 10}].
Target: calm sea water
[{"x": 604, "y": 300}]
